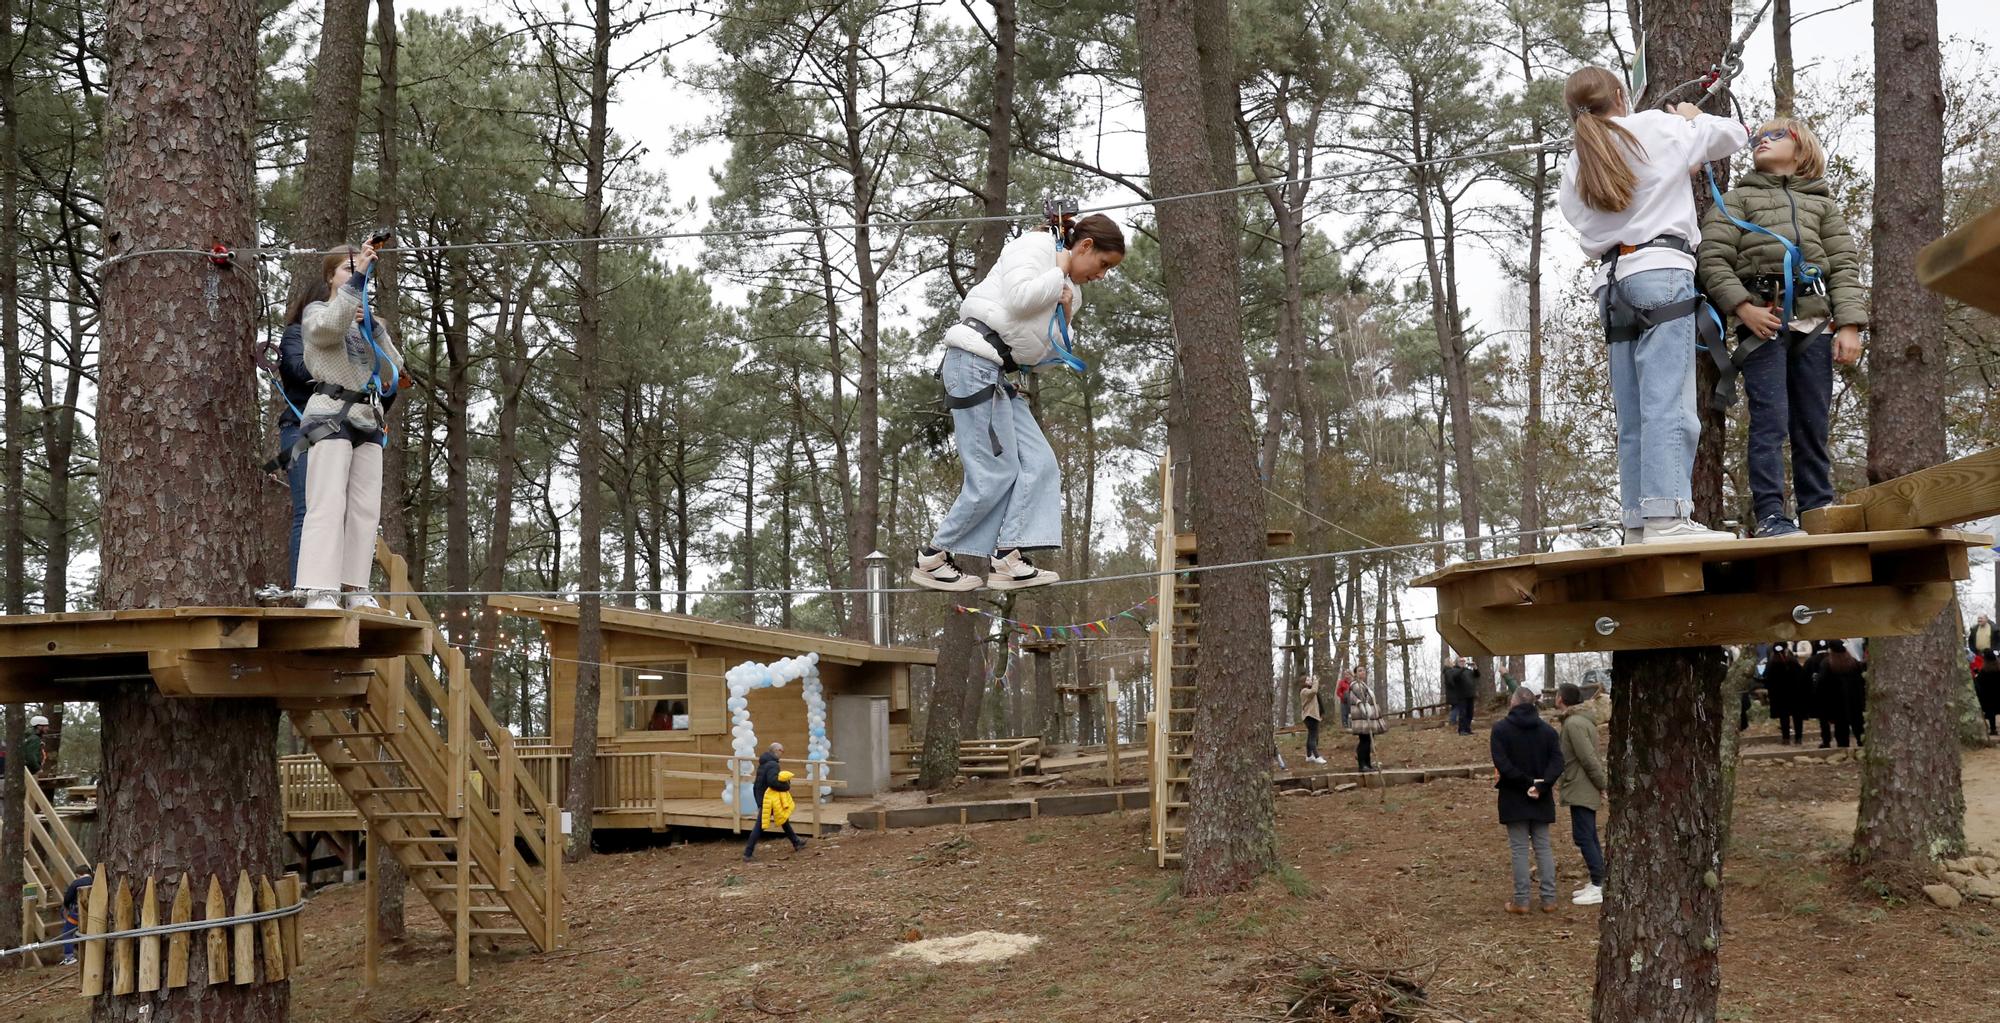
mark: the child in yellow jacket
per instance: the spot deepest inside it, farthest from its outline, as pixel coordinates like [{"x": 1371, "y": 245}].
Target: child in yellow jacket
[{"x": 775, "y": 815}]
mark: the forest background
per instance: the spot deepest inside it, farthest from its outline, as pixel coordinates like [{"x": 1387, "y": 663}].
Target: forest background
[{"x": 1424, "y": 356}]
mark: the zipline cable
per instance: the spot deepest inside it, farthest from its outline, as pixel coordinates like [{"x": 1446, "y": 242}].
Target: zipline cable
[
  {"x": 281, "y": 252},
  {"x": 813, "y": 591},
  {"x": 148, "y": 932}
]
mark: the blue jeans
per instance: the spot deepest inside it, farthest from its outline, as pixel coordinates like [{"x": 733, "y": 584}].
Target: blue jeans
[
  {"x": 1521, "y": 836},
  {"x": 1652, "y": 383},
  {"x": 1012, "y": 495},
  {"x": 295, "y": 478},
  {"x": 1789, "y": 390},
  {"x": 1583, "y": 828}
]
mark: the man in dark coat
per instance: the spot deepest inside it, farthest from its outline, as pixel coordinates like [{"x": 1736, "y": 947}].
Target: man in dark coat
[
  {"x": 1461, "y": 688},
  {"x": 1527, "y": 754},
  {"x": 1790, "y": 690}
]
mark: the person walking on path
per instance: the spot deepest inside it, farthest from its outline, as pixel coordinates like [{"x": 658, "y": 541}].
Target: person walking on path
[
  {"x": 1309, "y": 709},
  {"x": 1461, "y": 688},
  {"x": 1983, "y": 640},
  {"x": 769, "y": 778},
  {"x": 1582, "y": 788},
  {"x": 1790, "y": 692},
  {"x": 1364, "y": 719},
  {"x": 1527, "y": 754}
]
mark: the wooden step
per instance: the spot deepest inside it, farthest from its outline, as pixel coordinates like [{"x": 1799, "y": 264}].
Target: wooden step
[
  {"x": 369, "y": 790},
  {"x": 383, "y": 815},
  {"x": 439, "y": 865},
  {"x": 433, "y": 889},
  {"x": 1174, "y": 831},
  {"x": 433, "y": 840},
  {"x": 497, "y": 932},
  {"x": 1176, "y": 806},
  {"x": 1174, "y": 734}
]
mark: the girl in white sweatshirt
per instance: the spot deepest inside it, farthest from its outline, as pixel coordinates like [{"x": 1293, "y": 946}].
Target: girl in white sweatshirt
[
  {"x": 1625, "y": 189},
  {"x": 1011, "y": 502}
]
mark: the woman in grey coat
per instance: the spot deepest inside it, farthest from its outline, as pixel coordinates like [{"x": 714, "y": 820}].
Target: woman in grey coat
[{"x": 354, "y": 380}]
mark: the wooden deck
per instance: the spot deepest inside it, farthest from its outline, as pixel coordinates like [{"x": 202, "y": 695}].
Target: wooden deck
[
  {"x": 1657, "y": 596},
  {"x": 251, "y": 652}
]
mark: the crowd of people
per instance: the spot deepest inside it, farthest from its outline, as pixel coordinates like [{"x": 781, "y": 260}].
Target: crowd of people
[{"x": 1827, "y": 679}]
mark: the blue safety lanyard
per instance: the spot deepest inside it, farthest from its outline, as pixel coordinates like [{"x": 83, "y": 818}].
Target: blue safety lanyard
[
  {"x": 1797, "y": 269},
  {"x": 1058, "y": 330},
  {"x": 375, "y": 385}
]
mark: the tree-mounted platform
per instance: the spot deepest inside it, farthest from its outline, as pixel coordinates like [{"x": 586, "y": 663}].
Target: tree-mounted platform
[
  {"x": 303, "y": 658},
  {"x": 1876, "y": 564}
]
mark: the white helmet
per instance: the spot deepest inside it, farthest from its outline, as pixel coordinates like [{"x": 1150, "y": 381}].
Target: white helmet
[{"x": 37, "y": 721}]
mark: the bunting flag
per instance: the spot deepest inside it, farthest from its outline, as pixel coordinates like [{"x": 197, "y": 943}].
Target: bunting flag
[{"x": 1080, "y": 630}]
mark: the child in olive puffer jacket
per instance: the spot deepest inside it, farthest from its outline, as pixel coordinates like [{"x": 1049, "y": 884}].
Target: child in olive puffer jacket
[{"x": 1788, "y": 376}]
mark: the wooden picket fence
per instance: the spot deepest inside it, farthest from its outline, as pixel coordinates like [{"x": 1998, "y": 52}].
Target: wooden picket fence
[{"x": 266, "y": 951}]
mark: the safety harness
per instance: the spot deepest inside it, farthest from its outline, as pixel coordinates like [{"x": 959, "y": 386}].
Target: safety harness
[
  {"x": 1624, "y": 321},
  {"x": 375, "y": 393}
]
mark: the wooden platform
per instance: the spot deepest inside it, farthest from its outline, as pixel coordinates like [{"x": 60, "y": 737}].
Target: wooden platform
[
  {"x": 284, "y": 653},
  {"x": 1655, "y": 596}
]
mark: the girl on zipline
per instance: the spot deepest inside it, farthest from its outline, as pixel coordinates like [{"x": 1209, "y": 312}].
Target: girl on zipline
[
  {"x": 1015, "y": 319},
  {"x": 1625, "y": 189},
  {"x": 354, "y": 382},
  {"x": 1777, "y": 253}
]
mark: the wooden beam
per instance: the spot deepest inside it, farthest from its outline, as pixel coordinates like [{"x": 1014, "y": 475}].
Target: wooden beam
[
  {"x": 1835, "y": 518},
  {"x": 1965, "y": 264},
  {"x": 1492, "y": 589},
  {"x": 1707, "y": 619},
  {"x": 57, "y": 636},
  {"x": 1930, "y": 565},
  {"x": 1962, "y": 490},
  {"x": 1654, "y": 577},
  {"x": 1827, "y": 566},
  {"x": 188, "y": 673},
  {"x": 326, "y": 630},
  {"x": 1461, "y": 639}
]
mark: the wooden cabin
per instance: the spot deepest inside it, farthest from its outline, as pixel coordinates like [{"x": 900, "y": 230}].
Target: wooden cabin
[{"x": 663, "y": 724}]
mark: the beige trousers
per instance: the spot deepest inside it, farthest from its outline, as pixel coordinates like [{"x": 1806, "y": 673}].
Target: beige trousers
[{"x": 343, "y": 507}]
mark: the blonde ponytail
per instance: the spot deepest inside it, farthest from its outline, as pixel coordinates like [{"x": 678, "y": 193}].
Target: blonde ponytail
[{"x": 1604, "y": 179}]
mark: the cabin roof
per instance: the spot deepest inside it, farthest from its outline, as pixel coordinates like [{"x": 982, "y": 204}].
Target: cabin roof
[{"x": 707, "y": 630}]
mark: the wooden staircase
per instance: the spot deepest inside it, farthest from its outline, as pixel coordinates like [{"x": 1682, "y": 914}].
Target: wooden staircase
[
  {"x": 52, "y": 856},
  {"x": 468, "y": 822}
]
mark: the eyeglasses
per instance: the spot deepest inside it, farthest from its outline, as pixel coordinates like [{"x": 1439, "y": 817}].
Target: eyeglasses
[{"x": 1774, "y": 135}]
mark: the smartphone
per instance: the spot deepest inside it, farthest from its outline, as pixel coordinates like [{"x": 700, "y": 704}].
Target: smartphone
[{"x": 381, "y": 238}]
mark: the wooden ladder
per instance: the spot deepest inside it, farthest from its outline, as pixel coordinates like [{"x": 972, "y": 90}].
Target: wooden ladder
[
  {"x": 51, "y": 857},
  {"x": 1176, "y": 655},
  {"x": 466, "y": 819}
]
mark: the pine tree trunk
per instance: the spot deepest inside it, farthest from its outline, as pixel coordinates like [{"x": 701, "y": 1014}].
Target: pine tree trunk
[
  {"x": 59, "y": 443},
  {"x": 13, "y": 484},
  {"x": 1659, "y": 935},
  {"x": 863, "y": 528},
  {"x": 390, "y": 879},
  {"x": 1187, "y": 71},
  {"x": 13, "y": 824},
  {"x": 1912, "y": 803},
  {"x": 581, "y": 798},
  {"x": 1783, "y": 89},
  {"x": 175, "y": 378},
  {"x": 1661, "y": 928},
  {"x": 457, "y": 400},
  {"x": 937, "y": 764},
  {"x": 999, "y": 138}
]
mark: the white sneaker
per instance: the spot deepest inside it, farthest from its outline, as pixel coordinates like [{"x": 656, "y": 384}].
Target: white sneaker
[
  {"x": 69, "y": 960},
  {"x": 939, "y": 572},
  {"x": 322, "y": 600},
  {"x": 1591, "y": 895},
  {"x": 362, "y": 602},
  {"x": 1682, "y": 531},
  {"x": 1016, "y": 571}
]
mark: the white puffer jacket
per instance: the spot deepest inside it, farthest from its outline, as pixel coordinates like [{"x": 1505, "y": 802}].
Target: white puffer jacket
[{"x": 1016, "y": 298}]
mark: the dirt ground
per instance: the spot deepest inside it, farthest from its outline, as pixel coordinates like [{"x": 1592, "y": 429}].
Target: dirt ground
[{"x": 1410, "y": 877}]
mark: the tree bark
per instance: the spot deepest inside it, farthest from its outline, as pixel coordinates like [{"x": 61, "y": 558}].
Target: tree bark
[
  {"x": 999, "y": 138},
  {"x": 388, "y": 291},
  {"x": 457, "y": 400},
  {"x": 1661, "y": 928},
  {"x": 937, "y": 765},
  {"x": 1783, "y": 76},
  {"x": 13, "y": 824},
  {"x": 390, "y": 879},
  {"x": 581, "y": 797},
  {"x": 1912, "y": 803},
  {"x": 13, "y": 483},
  {"x": 178, "y": 336},
  {"x": 863, "y": 528},
  {"x": 1187, "y": 71}
]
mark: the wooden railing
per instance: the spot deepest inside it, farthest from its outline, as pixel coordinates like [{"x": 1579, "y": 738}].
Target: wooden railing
[
  {"x": 636, "y": 781},
  {"x": 51, "y": 857},
  {"x": 1006, "y": 757},
  {"x": 305, "y": 785}
]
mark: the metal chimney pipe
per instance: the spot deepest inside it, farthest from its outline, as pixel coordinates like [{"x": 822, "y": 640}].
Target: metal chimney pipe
[{"x": 878, "y": 598}]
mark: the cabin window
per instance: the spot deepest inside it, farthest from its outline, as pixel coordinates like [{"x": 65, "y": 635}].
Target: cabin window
[{"x": 653, "y": 697}]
